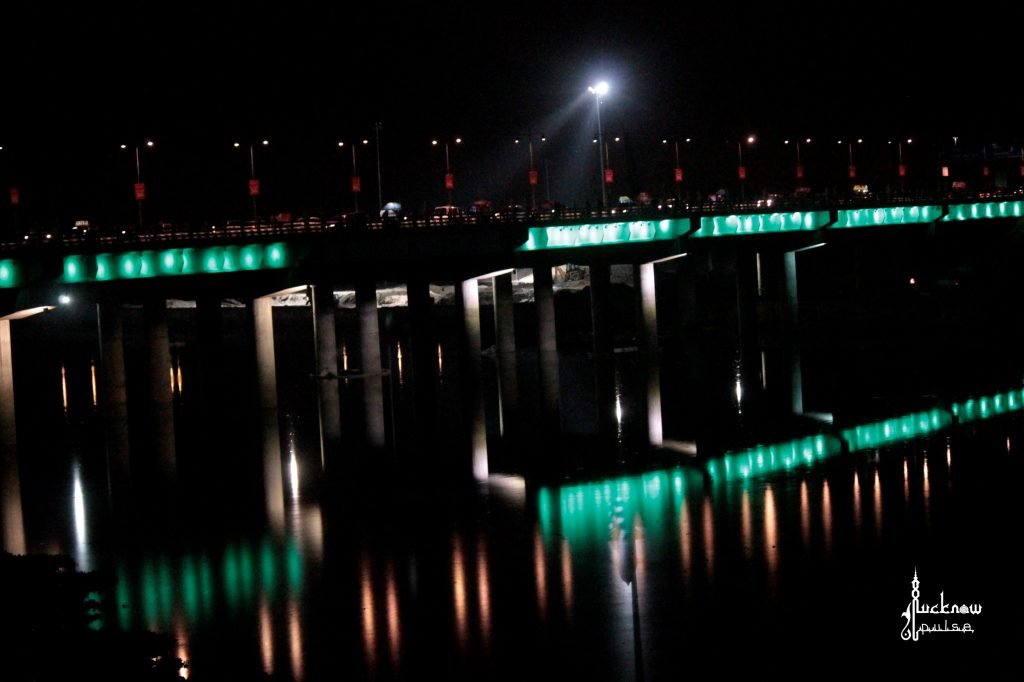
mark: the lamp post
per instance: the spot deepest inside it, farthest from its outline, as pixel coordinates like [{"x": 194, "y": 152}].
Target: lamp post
[
  {"x": 377, "y": 126},
  {"x": 599, "y": 90},
  {"x": 356, "y": 185},
  {"x": 741, "y": 170},
  {"x": 532, "y": 175},
  {"x": 678, "y": 172},
  {"x": 449, "y": 176},
  {"x": 254, "y": 183},
  {"x": 140, "y": 187}
]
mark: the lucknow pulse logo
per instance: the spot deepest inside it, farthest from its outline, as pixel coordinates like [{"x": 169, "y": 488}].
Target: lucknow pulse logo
[{"x": 917, "y": 610}]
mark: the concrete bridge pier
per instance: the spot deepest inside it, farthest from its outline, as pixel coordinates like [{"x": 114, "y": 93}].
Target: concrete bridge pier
[
  {"x": 547, "y": 350},
  {"x": 325, "y": 340},
  {"x": 644, "y": 274},
  {"x": 370, "y": 367},
  {"x": 505, "y": 351},
  {"x": 210, "y": 334},
  {"x": 10, "y": 480},
  {"x": 468, "y": 301},
  {"x": 160, "y": 398},
  {"x": 724, "y": 359},
  {"x": 114, "y": 404},
  {"x": 603, "y": 350},
  {"x": 423, "y": 366},
  {"x": 262, "y": 318},
  {"x": 780, "y": 321}
]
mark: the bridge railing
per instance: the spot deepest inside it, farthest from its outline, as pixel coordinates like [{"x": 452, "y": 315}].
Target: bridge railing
[{"x": 114, "y": 237}]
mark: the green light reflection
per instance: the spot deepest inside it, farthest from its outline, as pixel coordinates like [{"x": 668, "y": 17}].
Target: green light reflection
[{"x": 8, "y": 274}]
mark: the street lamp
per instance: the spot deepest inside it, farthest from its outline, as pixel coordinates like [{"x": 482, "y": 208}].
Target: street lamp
[
  {"x": 678, "y": 174},
  {"x": 449, "y": 176},
  {"x": 600, "y": 90},
  {"x": 851, "y": 168},
  {"x": 254, "y": 183},
  {"x": 140, "y": 187},
  {"x": 357, "y": 185},
  {"x": 532, "y": 175},
  {"x": 741, "y": 170}
]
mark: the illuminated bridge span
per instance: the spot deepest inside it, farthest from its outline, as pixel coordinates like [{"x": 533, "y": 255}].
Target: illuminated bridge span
[{"x": 736, "y": 296}]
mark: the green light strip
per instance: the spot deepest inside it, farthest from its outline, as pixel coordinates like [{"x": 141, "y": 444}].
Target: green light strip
[
  {"x": 986, "y": 407},
  {"x": 899, "y": 215},
  {"x": 103, "y": 267},
  {"x": 766, "y": 459},
  {"x": 897, "y": 429},
  {"x": 603, "y": 234},
  {"x": 760, "y": 223},
  {"x": 993, "y": 209},
  {"x": 8, "y": 274}
]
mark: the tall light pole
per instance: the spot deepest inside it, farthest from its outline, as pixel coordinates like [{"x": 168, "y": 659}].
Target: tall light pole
[
  {"x": 449, "y": 176},
  {"x": 140, "y": 187},
  {"x": 678, "y": 170},
  {"x": 600, "y": 90},
  {"x": 741, "y": 170},
  {"x": 254, "y": 183},
  {"x": 357, "y": 185},
  {"x": 376, "y": 137},
  {"x": 532, "y": 176}
]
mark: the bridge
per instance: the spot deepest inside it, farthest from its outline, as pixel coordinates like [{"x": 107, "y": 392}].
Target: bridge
[{"x": 740, "y": 279}]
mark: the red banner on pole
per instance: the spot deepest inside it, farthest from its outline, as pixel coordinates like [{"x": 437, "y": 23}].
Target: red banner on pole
[
  {"x": 357, "y": 186},
  {"x": 945, "y": 171},
  {"x": 533, "y": 175},
  {"x": 254, "y": 187},
  {"x": 140, "y": 191},
  {"x": 985, "y": 170},
  {"x": 799, "y": 172},
  {"x": 609, "y": 176},
  {"x": 449, "y": 180},
  {"x": 679, "y": 174},
  {"x": 742, "y": 172},
  {"x": 902, "y": 169},
  {"x": 851, "y": 170},
  {"x": 1022, "y": 169},
  {"x": 15, "y": 196}
]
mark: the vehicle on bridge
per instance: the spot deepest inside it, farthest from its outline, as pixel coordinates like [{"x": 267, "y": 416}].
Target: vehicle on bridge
[{"x": 446, "y": 213}]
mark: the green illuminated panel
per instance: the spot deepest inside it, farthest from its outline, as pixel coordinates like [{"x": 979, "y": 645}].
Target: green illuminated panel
[
  {"x": 103, "y": 267},
  {"x": 601, "y": 234},
  {"x": 896, "y": 429},
  {"x": 8, "y": 274},
  {"x": 986, "y": 407},
  {"x": 993, "y": 209},
  {"x": 768, "y": 459},
  {"x": 760, "y": 223},
  {"x": 892, "y": 215}
]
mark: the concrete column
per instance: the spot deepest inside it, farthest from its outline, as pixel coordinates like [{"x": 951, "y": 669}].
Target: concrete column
[
  {"x": 469, "y": 301},
  {"x": 160, "y": 397},
  {"x": 547, "y": 346},
  {"x": 369, "y": 355},
  {"x": 114, "y": 403},
  {"x": 792, "y": 309},
  {"x": 326, "y": 346},
  {"x": 652, "y": 360},
  {"x": 13, "y": 521},
  {"x": 603, "y": 346},
  {"x": 748, "y": 335},
  {"x": 210, "y": 328},
  {"x": 505, "y": 345},
  {"x": 266, "y": 375},
  {"x": 423, "y": 355}
]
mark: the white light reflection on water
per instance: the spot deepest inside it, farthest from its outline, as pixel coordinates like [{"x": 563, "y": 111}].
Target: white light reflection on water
[{"x": 82, "y": 557}]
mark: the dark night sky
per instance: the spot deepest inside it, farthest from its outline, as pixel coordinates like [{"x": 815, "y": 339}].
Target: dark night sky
[{"x": 78, "y": 82}]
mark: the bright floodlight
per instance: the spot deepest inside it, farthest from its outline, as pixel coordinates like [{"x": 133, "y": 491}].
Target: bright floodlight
[
  {"x": 64, "y": 299},
  {"x": 751, "y": 139},
  {"x": 600, "y": 89}
]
